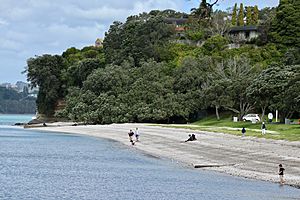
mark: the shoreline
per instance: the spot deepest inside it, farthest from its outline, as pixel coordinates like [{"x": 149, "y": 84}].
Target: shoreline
[{"x": 248, "y": 157}]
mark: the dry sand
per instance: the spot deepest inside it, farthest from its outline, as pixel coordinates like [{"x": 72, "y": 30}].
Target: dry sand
[{"x": 248, "y": 157}]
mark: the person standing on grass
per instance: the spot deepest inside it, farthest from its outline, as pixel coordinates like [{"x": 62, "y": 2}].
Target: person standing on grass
[
  {"x": 263, "y": 128},
  {"x": 281, "y": 170},
  {"x": 243, "y": 131}
]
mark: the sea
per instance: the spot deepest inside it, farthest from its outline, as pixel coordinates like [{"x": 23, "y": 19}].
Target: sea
[{"x": 52, "y": 166}]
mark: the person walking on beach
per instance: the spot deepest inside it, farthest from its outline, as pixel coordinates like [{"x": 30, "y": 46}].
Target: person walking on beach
[
  {"x": 281, "y": 170},
  {"x": 137, "y": 134},
  {"x": 130, "y": 134},
  {"x": 243, "y": 131},
  {"x": 263, "y": 128}
]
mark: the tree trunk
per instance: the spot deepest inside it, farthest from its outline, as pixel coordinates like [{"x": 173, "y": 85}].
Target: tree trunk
[
  {"x": 290, "y": 114},
  {"x": 244, "y": 109},
  {"x": 263, "y": 111},
  {"x": 217, "y": 112}
]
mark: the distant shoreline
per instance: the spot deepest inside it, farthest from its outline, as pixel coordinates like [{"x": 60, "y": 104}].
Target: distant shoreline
[{"x": 248, "y": 157}]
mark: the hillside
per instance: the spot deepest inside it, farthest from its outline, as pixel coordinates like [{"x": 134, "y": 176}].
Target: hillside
[
  {"x": 167, "y": 66},
  {"x": 12, "y": 102}
]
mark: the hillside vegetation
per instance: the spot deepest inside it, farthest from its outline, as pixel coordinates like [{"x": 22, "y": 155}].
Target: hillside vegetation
[
  {"x": 147, "y": 71},
  {"x": 12, "y": 102}
]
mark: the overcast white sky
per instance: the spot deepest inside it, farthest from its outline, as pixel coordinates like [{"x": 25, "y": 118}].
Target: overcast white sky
[{"x": 36, "y": 27}]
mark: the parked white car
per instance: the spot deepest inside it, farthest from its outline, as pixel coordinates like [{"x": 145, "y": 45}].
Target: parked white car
[{"x": 251, "y": 117}]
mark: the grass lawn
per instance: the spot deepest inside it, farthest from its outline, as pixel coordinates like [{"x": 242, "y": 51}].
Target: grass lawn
[{"x": 226, "y": 125}]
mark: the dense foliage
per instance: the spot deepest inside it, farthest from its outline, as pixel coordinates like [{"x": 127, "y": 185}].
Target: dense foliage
[
  {"x": 240, "y": 20},
  {"x": 286, "y": 25},
  {"x": 12, "y": 102},
  {"x": 47, "y": 72},
  {"x": 140, "y": 38},
  {"x": 147, "y": 73},
  {"x": 276, "y": 87}
]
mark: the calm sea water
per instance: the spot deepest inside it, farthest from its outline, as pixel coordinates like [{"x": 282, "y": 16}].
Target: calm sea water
[{"x": 41, "y": 165}]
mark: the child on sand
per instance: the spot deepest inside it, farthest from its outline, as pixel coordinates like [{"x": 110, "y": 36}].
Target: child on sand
[
  {"x": 137, "y": 134},
  {"x": 130, "y": 134},
  {"x": 281, "y": 170},
  {"x": 243, "y": 131}
]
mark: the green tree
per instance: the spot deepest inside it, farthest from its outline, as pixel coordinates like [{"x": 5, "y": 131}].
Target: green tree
[
  {"x": 274, "y": 88},
  {"x": 285, "y": 28},
  {"x": 234, "y": 15},
  {"x": 249, "y": 16},
  {"x": 12, "y": 102},
  {"x": 72, "y": 55},
  {"x": 255, "y": 15},
  {"x": 234, "y": 75},
  {"x": 217, "y": 95},
  {"x": 286, "y": 101},
  {"x": 189, "y": 81},
  {"x": 241, "y": 16},
  {"x": 113, "y": 41},
  {"x": 266, "y": 16},
  {"x": 46, "y": 73},
  {"x": 205, "y": 9},
  {"x": 216, "y": 43},
  {"x": 78, "y": 72},
  {"x": 293, "y": 93},
  {"x": 70, "y": 51},
  {"x": 292, "y": 56},
  {"x": 140, "y": 38}
]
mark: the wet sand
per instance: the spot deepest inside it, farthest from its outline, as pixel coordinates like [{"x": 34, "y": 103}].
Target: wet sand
[{"x": 247, "y": 157}]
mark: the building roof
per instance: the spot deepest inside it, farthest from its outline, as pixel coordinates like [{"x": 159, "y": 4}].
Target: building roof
[
  {"x": 177, "y": 21},
  {"x": 243, "y": 28}
]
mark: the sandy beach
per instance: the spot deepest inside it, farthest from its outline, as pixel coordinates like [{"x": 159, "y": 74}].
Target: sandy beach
[{"x": 247, "y": 157}]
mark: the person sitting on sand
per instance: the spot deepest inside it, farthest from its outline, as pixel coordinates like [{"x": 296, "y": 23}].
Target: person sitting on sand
[
  {"x": 191, "y": 138},
  {"x": 130, "y": 134},
  {"x": 194, "y": 137},
  {"x": 281, "y": 169}
]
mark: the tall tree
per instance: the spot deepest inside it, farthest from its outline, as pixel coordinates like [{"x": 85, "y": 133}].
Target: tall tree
[
  {"x": 142, "y": 37},
  {"x": 234, "y": 15},
  {"x": 275, "y": 88},
  {"x": 235, "y": 75},
  {"x": 241, "y": 15},
  {"x": 46, "y": 73},
  {"x": 205, "y": 9},
  {"x": 77, "y": 73},
  {"x": 217, "y": 95},
  {"x": 219, "y": 24},
  {"x": 255, "y": 15},
  {"x": 266, "y": 16},
  {"x": 113, "y": 41},
  {"x": 285, "y": 28},
  {"x": 249, "y": 15}
]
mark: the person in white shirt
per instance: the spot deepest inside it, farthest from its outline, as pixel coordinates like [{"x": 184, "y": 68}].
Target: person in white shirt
[
  {"x": 137, "y": 134},
  {"x": 263, "y": 128}
]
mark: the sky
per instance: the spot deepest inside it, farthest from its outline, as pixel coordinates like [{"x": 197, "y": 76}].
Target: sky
[{"x": 36, "y": 27}]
